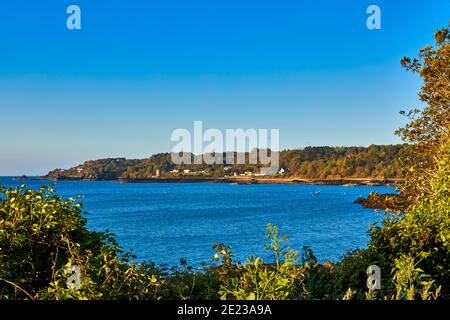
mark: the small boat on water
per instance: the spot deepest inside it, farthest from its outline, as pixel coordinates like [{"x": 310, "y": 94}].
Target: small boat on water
[{"x": 316, "y": 193}]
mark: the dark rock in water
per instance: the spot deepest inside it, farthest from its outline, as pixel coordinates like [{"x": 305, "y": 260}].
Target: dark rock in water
[
  {"x": 360, "y": 200},
  {"x": 21, "y": 178},
  {"x": 389, "y": 201}
]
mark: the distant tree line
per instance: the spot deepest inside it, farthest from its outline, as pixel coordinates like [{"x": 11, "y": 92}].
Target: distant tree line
[{"x": 375, "y": 161}]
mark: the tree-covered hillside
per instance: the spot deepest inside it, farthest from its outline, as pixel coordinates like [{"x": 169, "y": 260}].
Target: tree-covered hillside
[
  {"x": 341, "y": 162},
  {"x": 103, "y": 169},
  {"x": 375, "y": 161}
]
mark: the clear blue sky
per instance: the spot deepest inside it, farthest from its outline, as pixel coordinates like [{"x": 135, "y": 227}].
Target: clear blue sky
[{"x": 139, "y": 69}]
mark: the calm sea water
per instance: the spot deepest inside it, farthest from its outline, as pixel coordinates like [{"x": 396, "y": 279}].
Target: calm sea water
[{"x": 168, "y": 221}]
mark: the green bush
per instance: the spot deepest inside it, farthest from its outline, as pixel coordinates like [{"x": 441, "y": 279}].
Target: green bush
[
  {"x": 42, "y": 235},
  {"x": 423, "y": 230},
  {"x": 332, "y": 281},
  {"x": 256, "y": 280}
]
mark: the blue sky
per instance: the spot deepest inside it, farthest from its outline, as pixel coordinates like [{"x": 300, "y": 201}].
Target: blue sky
[{"x": 137, "y": 70}]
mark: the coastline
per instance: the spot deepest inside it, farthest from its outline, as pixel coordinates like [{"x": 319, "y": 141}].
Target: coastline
[{"x": 348, "y": 182}]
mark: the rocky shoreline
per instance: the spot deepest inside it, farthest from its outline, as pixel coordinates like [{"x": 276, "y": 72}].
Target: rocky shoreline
[
  {"x": 250, "y": 180},
  {"x": 388, "y": 201}
]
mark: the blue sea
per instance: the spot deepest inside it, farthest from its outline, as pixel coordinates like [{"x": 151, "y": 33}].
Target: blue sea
[{"x": 164, "y": 222}]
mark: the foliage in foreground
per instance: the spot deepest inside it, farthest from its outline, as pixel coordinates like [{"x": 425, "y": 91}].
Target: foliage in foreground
[
  {"x": 422, "y": 232},
  {"x": 428, "y": 127},
  {"x": 42, "y": 235}
]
